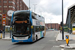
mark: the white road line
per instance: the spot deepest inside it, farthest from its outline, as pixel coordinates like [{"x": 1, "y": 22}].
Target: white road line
[{"x": 57, "y": 36}]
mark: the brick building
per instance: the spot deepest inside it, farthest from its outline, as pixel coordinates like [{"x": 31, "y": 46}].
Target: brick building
[
  {"x": 6, "y": 5},
  {"x": 52, "y": 26}
]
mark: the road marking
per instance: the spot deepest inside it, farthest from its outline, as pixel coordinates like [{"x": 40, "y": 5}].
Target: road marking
[{"x": 57, "y": 36}]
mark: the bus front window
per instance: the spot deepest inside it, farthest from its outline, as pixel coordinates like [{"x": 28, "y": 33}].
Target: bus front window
[{"x": 22, "y": 30}]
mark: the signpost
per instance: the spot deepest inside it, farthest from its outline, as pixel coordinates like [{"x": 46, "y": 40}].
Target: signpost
[
  {"x": 67, "y": 40},
  {"x": 3, "y": 23},
  {"x": 3, "y": 19},
  {"x": 9, "y": 13}
]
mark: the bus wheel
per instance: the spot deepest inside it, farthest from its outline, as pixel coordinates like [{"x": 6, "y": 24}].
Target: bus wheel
[
  {"x": 36, "y": 37},
  {"x": 33, "y": 39}
]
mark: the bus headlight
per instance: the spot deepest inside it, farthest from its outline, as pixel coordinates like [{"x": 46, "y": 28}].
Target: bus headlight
[{"x": 31, "y": 27}]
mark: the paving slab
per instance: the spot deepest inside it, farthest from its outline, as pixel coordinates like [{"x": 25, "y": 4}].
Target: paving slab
[{"x": 71, "y": 46}]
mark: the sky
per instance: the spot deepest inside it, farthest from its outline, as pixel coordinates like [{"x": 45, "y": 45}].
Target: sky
[{"x": 51, "y": 10}]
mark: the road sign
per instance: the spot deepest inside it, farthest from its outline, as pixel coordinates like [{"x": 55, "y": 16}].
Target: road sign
[
  {"x": 3, "y": 19},
  {"x": 67, "y": 39},
  {"x": 10, "y": 12}
]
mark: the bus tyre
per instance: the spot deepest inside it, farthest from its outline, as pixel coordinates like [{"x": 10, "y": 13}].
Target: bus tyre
[
  {"x": 36, "y": 37},
  {"x": 33, "y": 38}
]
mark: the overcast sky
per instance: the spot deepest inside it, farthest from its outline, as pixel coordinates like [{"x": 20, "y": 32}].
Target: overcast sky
[{"x": 50, "y": 9}]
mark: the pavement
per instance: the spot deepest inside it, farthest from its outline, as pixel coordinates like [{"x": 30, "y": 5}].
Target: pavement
[
  {"x": 7, "y": 36},
  {"x": 71, "y": 46},
  {"x": 59, "y": 36},
  {"x": 71, "y": 38}
]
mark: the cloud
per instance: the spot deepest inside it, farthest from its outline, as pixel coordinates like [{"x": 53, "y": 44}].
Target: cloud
[
  {"x": 50, "y": 18},
  {"x": 51, "y": 10},
  {"x": 51, "y": 6}
]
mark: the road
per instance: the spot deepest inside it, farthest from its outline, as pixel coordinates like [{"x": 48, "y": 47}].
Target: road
[{"x": 47, "y": 43}]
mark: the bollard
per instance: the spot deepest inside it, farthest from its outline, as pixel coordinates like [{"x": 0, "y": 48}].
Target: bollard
[
  {"x": 1, "y": 35},
  {"x": 67, "y": 40}
]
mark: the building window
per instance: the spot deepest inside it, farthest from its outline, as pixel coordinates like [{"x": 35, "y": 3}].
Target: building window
[
  {"x": 14, "y": 7},
  {"x": 0, "y": 1},
  {"x": 10, "y": 6},
  {"x": 17, "y": 2},
  {"x": 5, "y": 1},
  {"x": 10, "y": 1},
  {"x": 0, "y": 20},
  {"x": 17, "y": 6},
  {"x": 4, "y": 11},
  {"x": 5, "y": 6},
  {"x": 0, "y": 24},
  {"x": 0, "y": 6},
  {"x": 0, "y": 15},
  {"x": 17, "y": 9},
  {"x": 13, "y": 2},
  {"x": 0, "y": 11}
]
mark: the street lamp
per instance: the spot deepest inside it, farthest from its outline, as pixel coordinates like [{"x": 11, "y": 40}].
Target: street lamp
[
  {"x": 62, "y": 23},
  {"x": 34, "y": 7},
  {"x": 29, "y": 4}
]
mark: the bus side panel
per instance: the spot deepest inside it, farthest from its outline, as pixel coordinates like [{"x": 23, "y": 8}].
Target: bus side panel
[
  {"x": 39, "y": 34},
  {"x": 31, "y": 25}
]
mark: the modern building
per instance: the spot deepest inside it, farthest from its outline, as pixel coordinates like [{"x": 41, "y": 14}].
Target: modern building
[
  {"x": 6, "y": 5},
  {"x": 52, "y": 26}
]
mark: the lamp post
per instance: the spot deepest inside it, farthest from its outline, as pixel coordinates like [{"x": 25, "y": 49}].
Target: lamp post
[
  {"x": 34, "y": 6},
  {"x": 29, "y": 4},
  {"x": 62, "y": 23}
]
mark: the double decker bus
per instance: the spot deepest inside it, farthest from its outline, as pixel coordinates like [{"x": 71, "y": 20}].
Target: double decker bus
[{"x": 27, "y": 26}]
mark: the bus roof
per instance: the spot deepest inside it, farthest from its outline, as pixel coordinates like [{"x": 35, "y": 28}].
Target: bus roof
[
  {"x": 27, "y": 12},
  {"x": 21, "y": 12}
]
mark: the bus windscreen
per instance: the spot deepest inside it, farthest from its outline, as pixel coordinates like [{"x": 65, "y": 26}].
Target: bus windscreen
[{"x": 21, "y": 25}]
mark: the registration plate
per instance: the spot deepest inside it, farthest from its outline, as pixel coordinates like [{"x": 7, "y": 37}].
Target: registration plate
[{"x": 20, "y": 37}]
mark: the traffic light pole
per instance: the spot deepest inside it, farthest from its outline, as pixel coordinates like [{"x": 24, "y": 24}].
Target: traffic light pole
[
  {"x": 62, "y": 23},
  {"x": 3, "y": 31}
]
